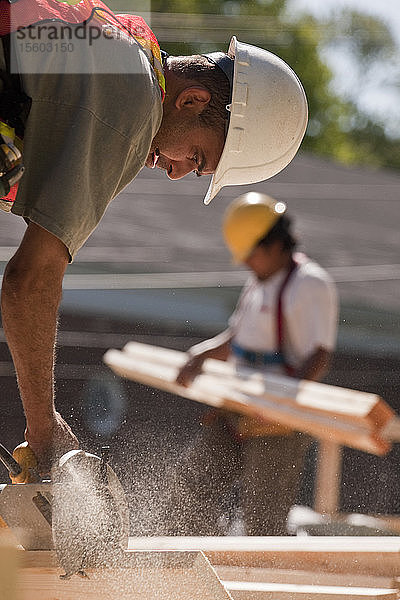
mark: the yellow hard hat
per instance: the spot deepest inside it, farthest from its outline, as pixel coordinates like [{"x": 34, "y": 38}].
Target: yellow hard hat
[{"x": 247, "y": 220}]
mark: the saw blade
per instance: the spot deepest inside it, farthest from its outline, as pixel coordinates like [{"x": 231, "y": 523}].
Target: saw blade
[{"x": 90, "y": 519}]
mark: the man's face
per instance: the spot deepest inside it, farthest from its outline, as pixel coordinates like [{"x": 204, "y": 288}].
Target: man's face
[
  {"x": 264, "y": 261},
  {"x": 182, "y": 145}
]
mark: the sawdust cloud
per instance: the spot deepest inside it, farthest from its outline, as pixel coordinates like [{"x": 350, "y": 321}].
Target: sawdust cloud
[
  {"x": 87, "y": 534},
  {"x": 176, "y": 488},
  {"x": 89, "y": 523}
]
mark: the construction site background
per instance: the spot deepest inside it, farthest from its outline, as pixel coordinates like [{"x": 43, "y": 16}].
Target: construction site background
[{"x": 157, "y": 271}]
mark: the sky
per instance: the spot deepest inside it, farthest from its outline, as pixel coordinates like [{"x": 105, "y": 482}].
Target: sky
[{"x": 377, "y": 93}]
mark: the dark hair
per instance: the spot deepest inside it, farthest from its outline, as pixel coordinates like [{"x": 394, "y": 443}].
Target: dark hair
[
  {"x": 281, "y": 231},
  {"x": 199, "y": 69}
]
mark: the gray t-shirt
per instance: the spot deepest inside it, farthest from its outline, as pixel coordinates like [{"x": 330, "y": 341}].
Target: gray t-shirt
[{"x": 95, "y": 111}]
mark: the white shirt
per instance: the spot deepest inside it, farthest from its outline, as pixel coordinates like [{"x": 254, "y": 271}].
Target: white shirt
[{"x": 309, "y": 307}]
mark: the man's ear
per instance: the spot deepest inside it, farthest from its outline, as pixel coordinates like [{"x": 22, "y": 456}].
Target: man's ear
[{"x": 194, "y": 97}]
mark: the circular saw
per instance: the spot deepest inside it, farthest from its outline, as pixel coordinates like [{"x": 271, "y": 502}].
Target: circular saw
[{"x": 81, "y": 512}]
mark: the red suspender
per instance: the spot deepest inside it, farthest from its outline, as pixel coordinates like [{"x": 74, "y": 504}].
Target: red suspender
[{"x": 279, "y": 314}]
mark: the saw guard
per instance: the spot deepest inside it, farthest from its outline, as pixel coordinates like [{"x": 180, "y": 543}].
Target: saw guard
[{"x": 90, "y": 513}]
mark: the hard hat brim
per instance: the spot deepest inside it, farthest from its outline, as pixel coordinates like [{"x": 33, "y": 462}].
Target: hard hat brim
[{"x": 213, "y": 188}]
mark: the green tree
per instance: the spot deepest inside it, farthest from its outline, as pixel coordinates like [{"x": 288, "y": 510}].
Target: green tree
[
  {"x": 373, "y": 58},
  {"x": 337, "y": 128}
]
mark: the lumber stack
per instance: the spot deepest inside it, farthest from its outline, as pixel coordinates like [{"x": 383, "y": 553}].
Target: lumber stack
[{"x": 339, "y": 415}]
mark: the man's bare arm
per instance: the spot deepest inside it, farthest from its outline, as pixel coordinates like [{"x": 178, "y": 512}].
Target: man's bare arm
[
  {"x": 315, "y": 366},
  {"x": 31, "y": 294}
]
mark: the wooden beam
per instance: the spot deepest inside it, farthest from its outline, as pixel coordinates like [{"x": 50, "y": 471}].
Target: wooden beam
[
  {"x": 299, "y": 577},
  {"x": 340, "y": 415},
  {"x": 251, "y": 568},
  {"x": 345, "y": 554},
  {"x": 328, "y": 479},
  {"x": 242, "y": 590},
  {"x": 138, "y": 576}
]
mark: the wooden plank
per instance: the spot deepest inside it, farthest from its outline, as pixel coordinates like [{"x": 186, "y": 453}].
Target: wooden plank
[
  {"x": 168, "y": 568},
  {"x": 139, "y": 576},
  {"x": 330, "y": 562},
  {"x": 347, "y": 417},
  {"x": 298, "y": 577},
  {"x": 371, "y": 556},
  {"x": 352, "y": 405},
  {"x": 280, "y": 591},
  {"x": 384, "y": 521},
  {"x": 378, "y": 556},
  {"x": 326, "y": 427}
]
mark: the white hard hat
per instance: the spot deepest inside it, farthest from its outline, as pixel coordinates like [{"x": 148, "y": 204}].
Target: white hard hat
[{"x": 267, "y": 122}]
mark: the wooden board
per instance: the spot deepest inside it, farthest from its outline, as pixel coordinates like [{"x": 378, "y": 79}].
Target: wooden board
[
  {"x": 340, "y": 415},
  {"x": 174, "y": 568},
  {"x": 378, "y": 556},
  {"x": 248, "y": 583},
  {"x": 140, "y": 576},
  {"x": 234, "y": 573},
  {"x": 286, "y": 591}
]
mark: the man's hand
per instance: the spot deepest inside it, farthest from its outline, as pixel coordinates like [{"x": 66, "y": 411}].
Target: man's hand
[
  {"x": 52, "y": 440},
  {"x": 217, "y": 347},
  {"x": 190, "y": 370}
]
